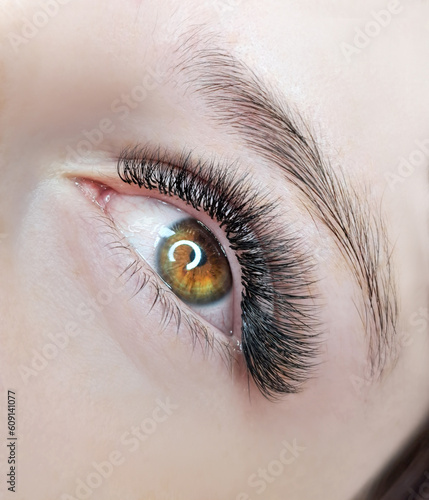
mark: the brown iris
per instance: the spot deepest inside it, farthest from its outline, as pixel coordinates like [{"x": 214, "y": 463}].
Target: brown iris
[{"x": 193, "y": 264}]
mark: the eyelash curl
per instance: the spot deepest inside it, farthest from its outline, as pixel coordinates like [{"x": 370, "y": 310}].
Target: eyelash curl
[{"x": 279, "y": 335}]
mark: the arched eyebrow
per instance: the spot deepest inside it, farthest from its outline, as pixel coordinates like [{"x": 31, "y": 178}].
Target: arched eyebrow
[{"x": 241, "y": 102}]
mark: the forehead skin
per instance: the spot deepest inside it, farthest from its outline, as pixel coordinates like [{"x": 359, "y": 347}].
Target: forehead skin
[{"x": 368, "y": 109}]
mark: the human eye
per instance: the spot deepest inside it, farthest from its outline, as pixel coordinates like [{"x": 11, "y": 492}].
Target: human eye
[
  {"x": 209, "y": 239},
  {"x": 182, "y": 250}
]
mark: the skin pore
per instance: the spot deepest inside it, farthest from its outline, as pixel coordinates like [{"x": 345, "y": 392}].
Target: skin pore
[{"x": 114, "y": 400}]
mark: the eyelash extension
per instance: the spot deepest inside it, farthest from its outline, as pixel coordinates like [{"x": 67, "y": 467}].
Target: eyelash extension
[{"x": 279, "y": 335}]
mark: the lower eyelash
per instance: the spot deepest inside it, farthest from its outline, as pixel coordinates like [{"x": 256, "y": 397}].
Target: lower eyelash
[{"x": 144, "y": 276}]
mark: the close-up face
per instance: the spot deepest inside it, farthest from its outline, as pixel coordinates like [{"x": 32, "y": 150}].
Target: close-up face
[{"x": 213, "y": 246}]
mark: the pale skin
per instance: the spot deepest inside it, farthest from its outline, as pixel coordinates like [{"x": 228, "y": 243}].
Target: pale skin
[{"x": 173, "y": 421}]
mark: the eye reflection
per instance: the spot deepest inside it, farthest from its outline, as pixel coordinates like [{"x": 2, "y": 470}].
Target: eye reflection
[{"x": 193, "y": 264}]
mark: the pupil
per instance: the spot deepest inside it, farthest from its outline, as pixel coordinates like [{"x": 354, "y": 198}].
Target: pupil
[{"x": 203, "y": 258}]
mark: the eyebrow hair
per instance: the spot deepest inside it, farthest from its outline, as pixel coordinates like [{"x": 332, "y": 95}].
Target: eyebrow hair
[{"x": 237, "y": 98}]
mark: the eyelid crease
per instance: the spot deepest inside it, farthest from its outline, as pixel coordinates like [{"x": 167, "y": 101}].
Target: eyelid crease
[{"x": 280, "y": 329}]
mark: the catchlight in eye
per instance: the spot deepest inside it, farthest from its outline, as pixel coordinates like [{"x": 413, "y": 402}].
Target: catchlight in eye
[{"x": 193, "y": 264}]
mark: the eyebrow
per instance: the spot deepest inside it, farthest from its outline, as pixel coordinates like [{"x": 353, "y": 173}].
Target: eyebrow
[{"x": 238, "y": 99}]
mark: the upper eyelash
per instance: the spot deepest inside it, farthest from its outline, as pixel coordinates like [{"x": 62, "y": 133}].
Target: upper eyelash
[{"x": 279, "y": 326}]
